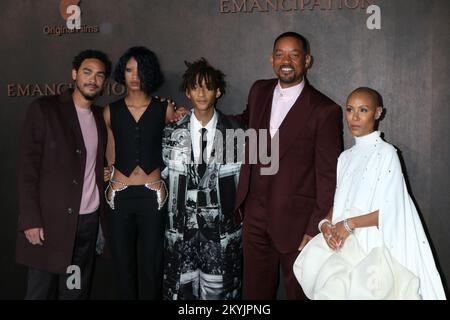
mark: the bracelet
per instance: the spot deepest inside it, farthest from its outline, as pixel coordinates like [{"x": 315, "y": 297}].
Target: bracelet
[
  {"x": 347, "y": 227},
  {"x": 321, "y": 223}
]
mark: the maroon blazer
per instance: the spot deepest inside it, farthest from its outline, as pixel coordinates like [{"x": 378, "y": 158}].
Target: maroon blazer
[
  {"x": 310, "y": 137},
  {"x": 51, "y": 173}
]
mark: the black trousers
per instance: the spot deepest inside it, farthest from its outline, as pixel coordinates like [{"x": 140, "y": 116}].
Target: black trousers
[
  {"x": 44, "y": 285},
  {"x": 137, "y": 226}
]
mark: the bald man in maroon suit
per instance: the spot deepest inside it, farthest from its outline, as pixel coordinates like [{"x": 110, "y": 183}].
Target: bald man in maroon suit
[{"x": 281, "y": 211}]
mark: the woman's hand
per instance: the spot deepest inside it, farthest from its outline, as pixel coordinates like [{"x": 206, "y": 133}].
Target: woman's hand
[
  {"x": 179, "y": 113},
  {"x": 338, "y": 235},
  {"x": 106, "y": 173},
  {"x": 326, "y": 230}
]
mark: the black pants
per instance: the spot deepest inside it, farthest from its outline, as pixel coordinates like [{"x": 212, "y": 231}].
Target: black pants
[
  {"x": 44, "y": 285},
  {"x": 137, "y": 226}
]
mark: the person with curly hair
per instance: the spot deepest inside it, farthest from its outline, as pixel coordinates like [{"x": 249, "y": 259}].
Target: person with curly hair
[
  {"x": 60, "y": 182},
  {"x": 135, "y": 192}
]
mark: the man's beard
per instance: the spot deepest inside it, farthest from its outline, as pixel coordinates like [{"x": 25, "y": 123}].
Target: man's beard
[
  {"x": 287, "y": 79},
  {"x": 89, "y": 97}
]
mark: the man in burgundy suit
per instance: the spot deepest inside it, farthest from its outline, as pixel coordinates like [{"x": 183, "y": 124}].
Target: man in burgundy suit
[{"x": 282, "y": 210}]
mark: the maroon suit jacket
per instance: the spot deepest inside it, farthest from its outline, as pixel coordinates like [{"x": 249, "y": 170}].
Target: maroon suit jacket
[
  {"x": 310, "y": 137},
  {"x": 51, "y": 173}
]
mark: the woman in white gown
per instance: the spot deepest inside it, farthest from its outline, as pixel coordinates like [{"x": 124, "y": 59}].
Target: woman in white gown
[{"x": 372, "y": 244}]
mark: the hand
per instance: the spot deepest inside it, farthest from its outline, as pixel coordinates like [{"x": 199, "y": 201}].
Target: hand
[
  {"x": 35, "y": 236},
  {"x": 107, "y": 173},
  {"x": 327, "y": 232},
  {"x": 170, "y": 100},
  {"x": 339, "y": 235},
  {"x": 179, "y": 113},
  {"x": 306, "y": 239}
]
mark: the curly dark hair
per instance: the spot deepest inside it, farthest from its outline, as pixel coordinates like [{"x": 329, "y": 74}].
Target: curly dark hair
[
  {"x": 92, "y": 54},
  {"x": 149, "y": 70},
  {"x": 200, "y": 70}
]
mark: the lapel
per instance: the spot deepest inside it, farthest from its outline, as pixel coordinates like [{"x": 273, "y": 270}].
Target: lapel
[
  {"x": 218, "y": 152},
  {"x": 263, "y": 115},
  {"x": 101, "y": 148},
  {"x": 266, "y": 106},
  {"x": 296, "y": 120},
  {"x": 70, "y": 115}
]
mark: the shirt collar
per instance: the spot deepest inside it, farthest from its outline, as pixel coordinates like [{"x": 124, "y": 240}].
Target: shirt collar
[
  {"x": 197, "y": 125},
  {"x": 291, "y": 92}
]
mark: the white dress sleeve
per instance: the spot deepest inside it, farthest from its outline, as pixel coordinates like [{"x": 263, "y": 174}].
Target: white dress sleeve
[{"x": 401, "y": 228}]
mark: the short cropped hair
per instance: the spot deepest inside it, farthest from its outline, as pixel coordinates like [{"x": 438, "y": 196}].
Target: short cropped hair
[
  {"x": 299, "y": 37},
  {"x": 374, "y": 95}
]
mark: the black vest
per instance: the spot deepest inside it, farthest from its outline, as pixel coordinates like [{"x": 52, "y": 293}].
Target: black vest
[{"x": 138, "y": 143}]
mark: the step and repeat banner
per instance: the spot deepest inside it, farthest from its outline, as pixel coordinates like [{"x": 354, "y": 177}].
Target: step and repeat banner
[{"x": 399, "y": 47}]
